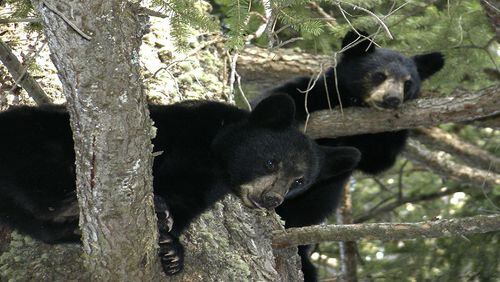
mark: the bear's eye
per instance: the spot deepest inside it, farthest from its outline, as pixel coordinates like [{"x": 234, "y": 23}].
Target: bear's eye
[
  {"x": 299, "y": 181},
  {"x": 407, "y": 86},
  {"x": 378, "y": 77},
  {"x": 271, "y": 165}
]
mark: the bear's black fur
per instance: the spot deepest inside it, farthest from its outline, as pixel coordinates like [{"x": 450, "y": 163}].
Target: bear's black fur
[
  {"x": 366, "y": 77},
  {"x": 209, "y": 150}
]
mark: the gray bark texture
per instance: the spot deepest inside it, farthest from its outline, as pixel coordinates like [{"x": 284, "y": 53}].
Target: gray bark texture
[
  {"x": 233, "y": 243},
  {"x": 94, "y": 46},
  {"x": 227, "y": 243},
  {"x": 387, "y": 231}
]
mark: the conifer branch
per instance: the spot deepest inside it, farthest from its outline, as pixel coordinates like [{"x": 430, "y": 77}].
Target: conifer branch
[
  {"x": 451, "y": 143},
  {"x": 439, "y": 162},
  {"x": 386, "y": 231},
  {"x": 20, "y": 75},
  {"x": 373, "y": 213}
]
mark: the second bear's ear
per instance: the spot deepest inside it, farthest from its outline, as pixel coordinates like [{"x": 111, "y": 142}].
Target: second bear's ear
[
  {"x": 276, "y": 111},
  {"x": 361, "y": 48},
  {"x": 428, "y": 64},
  {"x": 339, "y": 160}
]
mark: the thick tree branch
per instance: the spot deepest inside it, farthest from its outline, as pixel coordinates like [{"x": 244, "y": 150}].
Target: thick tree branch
[
  {"x": 19, "y": 74},
  {"x": 451, "y": 143},
  {"x": 386, "y": 231},
  {"x": 440, "y": 163},
  {"x": 421, "y": 112}
]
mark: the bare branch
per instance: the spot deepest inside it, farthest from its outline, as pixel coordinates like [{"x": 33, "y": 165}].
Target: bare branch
[
  {"x": 376, "y": 211},
  {"x": 330, "y": 21},
  {"x": 25, "y": 20},
  {"x": 451, "y": 143},
  {"x": 422, "y": 112},
  {"x": 491, "y": 122},
  {"x": 270, "y": 23},
  {"x": 348, "y": 250},
  {"x": 493, "y": 13},
  {"x": 20, "y": 75},
  {"x": 152, "y": 13},
  {"x": 386, "y": 231},
  {"x": 71, "y": 24},
  {"x": 439, "y": 163}
]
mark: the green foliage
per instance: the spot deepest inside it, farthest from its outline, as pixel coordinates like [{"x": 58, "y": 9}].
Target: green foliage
[
  {"x": 237, "y": 18},
  {"x": 186, "y": 14},
  {"x": 22, "y": 9}
]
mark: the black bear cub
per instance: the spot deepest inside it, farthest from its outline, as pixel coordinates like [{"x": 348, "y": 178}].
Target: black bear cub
[
  {"x": 209, "y": 150},
  {"x": 367, "y": 76}
]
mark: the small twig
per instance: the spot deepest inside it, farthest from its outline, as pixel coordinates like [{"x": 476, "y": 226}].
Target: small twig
[
  {"x": 26, "y": 66},
  {"x": 379, "y": 209},
  {"x": 153, "y": 13},
  {"x": 281, "y": 44},
  {"x": 26, "y": 20},
  {"x": 15, "y": 68},
  {"x": 270, "y": 22},
  {"x": 57, "y": 12},
  {"x": 380, "y": 21},
  {"x": 232, "y": 76}
]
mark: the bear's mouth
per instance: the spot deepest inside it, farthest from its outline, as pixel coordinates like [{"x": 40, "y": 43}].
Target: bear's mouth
[
  {"x": 247, "y": 199},
  {"x": 379, "y": 105}
]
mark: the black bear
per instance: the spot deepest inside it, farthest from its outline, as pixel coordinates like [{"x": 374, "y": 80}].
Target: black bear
[
  {"x": 209, "y": 150},
  {"x": 366, "y": 77}
]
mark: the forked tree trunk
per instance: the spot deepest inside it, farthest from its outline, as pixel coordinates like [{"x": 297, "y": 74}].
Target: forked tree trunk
[
  {"x": 109, "y": 117},
  {"x": 95, "y": 48}
]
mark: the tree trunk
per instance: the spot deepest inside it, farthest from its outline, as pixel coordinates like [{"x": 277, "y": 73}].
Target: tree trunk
[
  {"x": 229, "y": 242},
  {"x": 348, "y": 249},
  {"x": 95, "y": 47}
]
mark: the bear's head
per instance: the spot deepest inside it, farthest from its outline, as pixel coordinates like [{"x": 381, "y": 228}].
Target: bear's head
[
  {"x": 267, "y": 158},
  {"x": 379, "y": 77}
]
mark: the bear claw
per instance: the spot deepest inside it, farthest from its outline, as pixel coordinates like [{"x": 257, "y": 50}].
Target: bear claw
[{"x": 171, "y": 254}]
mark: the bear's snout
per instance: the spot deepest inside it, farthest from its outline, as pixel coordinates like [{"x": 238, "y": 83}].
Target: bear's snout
[
  {"x": 391, "y": 101},
  {"x": 271, "y": 200}
]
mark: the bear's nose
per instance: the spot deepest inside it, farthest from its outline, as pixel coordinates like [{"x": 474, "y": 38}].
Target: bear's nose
[
  {"x": 271, "y": 200},
  {"x": 391, "y": 102}
]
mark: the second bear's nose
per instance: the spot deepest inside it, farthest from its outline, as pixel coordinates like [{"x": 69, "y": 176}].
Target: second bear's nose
[
  {"x": 391, "y": 102},
  {"x": 271, "y": 200}
]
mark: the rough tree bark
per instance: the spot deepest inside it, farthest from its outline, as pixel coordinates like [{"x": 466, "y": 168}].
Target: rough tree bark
[
  {"x": 95, "y": 48},
  {"x": 229, "y": 242},
  {"x": 387, "y": 231}
]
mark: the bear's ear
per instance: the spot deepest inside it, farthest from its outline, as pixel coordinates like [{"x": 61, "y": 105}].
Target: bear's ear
[
  {"x": 428, "y": 64},
  {"x": 276, "y": 111},
  {"x": 339, "y": 160},
  {"x": 361, "y": 48}
]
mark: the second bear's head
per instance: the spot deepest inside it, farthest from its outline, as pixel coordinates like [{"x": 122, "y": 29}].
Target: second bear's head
[
  {"x": 379, "y": 77},
  {"x": 267, "y": 159}
]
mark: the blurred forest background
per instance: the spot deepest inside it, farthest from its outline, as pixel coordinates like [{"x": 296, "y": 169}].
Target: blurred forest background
[{"x": 467, "y": 32}]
